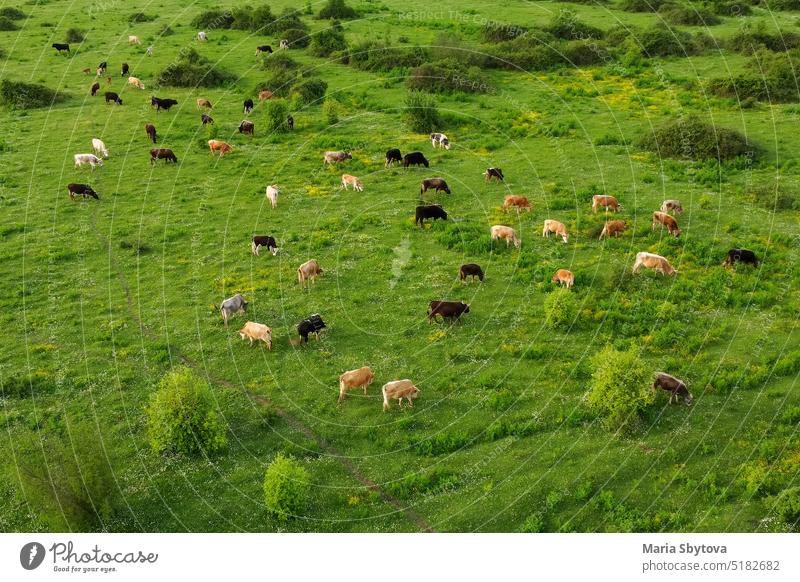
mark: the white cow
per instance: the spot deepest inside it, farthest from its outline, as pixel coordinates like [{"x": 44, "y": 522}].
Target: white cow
[
  {"x": 150, "y": 50},
  {"x": 440, "y": 139},
  {"x": 134, "y": 39},
  {"x": 201, "y": 36},
  {"x": 91, "y": 159},
  {"x": 272, "y": 194},
  {"x": 284, "y": 44},
  {"x": 99, "y": 148}
]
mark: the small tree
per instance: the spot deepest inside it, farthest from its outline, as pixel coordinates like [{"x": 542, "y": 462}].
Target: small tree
[
  {"x": 327, "y": 42},
  {"x": 560, "y": 308},
  {"x": 422, "y": 114},
  {"x": 276, "y": 113},
  {"x": 620, "y": 387},
  {"x": 181, "y": 415},
  {"x": 337, "y": 9},
  {"x": 286, "y": 487},
  {"x": 331, "y": 111},
  {"x": 311, "y": 91},
  {"x": 74, "y": 35}
]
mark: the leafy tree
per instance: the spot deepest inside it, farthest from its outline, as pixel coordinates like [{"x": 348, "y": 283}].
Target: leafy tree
[
  {"x": 286, "y": 487},
  {"x": 330, "y": 109},
  {"x": 620, "y": 387},
  {"x": 74, "y": 35},
  {"x": 422, "y": 114},
  {"x": 276, "y": 112},
  {"x": 560, "y": 308},
  {"x": 311, "y": 91},
  {"x": 337, "y": 9},
  {"x": 327, "y": 42}
]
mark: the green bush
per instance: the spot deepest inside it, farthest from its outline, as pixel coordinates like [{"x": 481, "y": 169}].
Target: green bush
[
  {"x": 695, "y": 139},
  {"x": 771, "y": 77},
  {"x": 297, "y": 37},
  {"x": 328, "y": 41},
  {"x": 281, "y": 82},
  {"x": 213, "y": 19},
  {"x": 749, "y": 39},
  {"x": 337, "y": 9},
  {"x": 733, "y": 8},
  {"x": 140, "y": 17},
  {"x": 499, "y": 32},
  {"x": 688, "y": 14},
  {"x": 787, "y": 506},
  {"x": 621, "y": 387},
  {"x": 446, "y": 77},
  {"x": 566, "y": 26},
  {"x": 12, "y": 13},
  {"x": 330, "y": 109},
  {"x": 534, "y": 523},
  {"x": 18, "y": 95},
  {"x": 373, "y": 55},
  {"x": 275, "y": 113},
  {"x": 290, "y": 19},
  {"x": 74, "y": 35},
  {"x": 7, "y": 25},
  {"x": 181, "y": 416},
  {"x": 311, "y": 91},
  {"x": 660, "y": 40},
  {"x": 193, "y": 70},
  {"x": 422, "y": 113},
  {"x": 286, "y": 487},
  {"x": 560, "y": 308},
  {"x": 279, "y": 62},
  {"x": 35, "y": 383},
  {"x": 642, "y": 5}
]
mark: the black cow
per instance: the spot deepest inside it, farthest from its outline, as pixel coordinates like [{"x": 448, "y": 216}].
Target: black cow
[
  {"x": 392, "y": 156},
  {"x": 433, "y": 211},
  {"x": 446, "y": 309},
  {"x": 437, "y": 184},
  {"x": 415, "y": 159},
  {"x": 61, "y": 46},
  {"x": 740, "y": 256},
  {"x": 162, "y": 154},
  {"x": 495, "y": 173},
  {"x": 247, "y": 127},
  {"x": 676, "y": 388},
  {"x": 290, "y": 122},
  {"x": 248, "y": 106},
  {"x": 102, "y": 67},
  {"x": 160, "y": 104},
  {"x": 470, "y": 270},
  {"x": 313, "y": 324},
  {"x": 112, "y": 97},
  {"x": 83, "y": 189},
  {"x": 263, "y": 49},
  {"x": 95, "y": 89},
  {"x": 264, "y": 241},
  {"x": 206, "y": 119},
  {"x": 151, "y": 131},
  {"x": 125, "y": 69}
]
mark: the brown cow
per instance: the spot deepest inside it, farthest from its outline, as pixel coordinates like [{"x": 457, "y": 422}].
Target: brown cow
[
  {"x": 348, "y": 180},
  {"x": 204, "y": 103},
  {"x": 655, "y": 262},
  {"x": 216, "y": 145},
  {"x": 613, "y": 228},
  {"x": 516, "y": 201},
  {"x": 666, "y": 220},
  {"x": 256, "y": 331},
  {"x": 264, "y": 95},
  {"x": 677, "y": 388},
  {"x": 564, "y": 277},
  {"x": 360, "y": 378},
  {"x": 556, "y": 227},
  {"x": 151, "y": 131},
  {"x": 399, "y": 389},
  {"x": 308, "y": 271},
  {"x": 607, "y": 202}
]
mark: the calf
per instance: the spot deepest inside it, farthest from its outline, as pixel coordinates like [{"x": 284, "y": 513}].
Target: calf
[
  {"x": 498, "y": 231},
  {"x": 162, "y": 154},
  {"x": 204, "y": 104},
  {"x": 333, "y": 157},
  {"x": 263, "y": 49},
  {"x": 102, "y": 68},
  {"x": 136, "y": 82},
  {"x": 740, "y": 256},
  {"x": 433, "y": 211},
  {"x": 666, "y": 220},
  {"x": 248, "y": 106},
  {"x": 470, "y": 270},
  {"x": 313, "y": 324},
  {"x": 87, "y": 71},
  {"x": 440, "y": 140},
  {"x": 415, "y": 159},
  {"x": 399, "y": 389},
  {"x": 134, "y": 39},
  {"x": 290, "y": 122},
  {"x": 555, "y": 227},
  {"x": 437, "y": 184},
  {"x": 232, "y": 306},
  {"x": 272, "y": 194},
  {"x": 360, "y": 378},
  {"x": 652, "y": 261},
  {"x": 264, "y": 95},
  {"x": 201, "y": 36},
  {"x": 95, "y": 88},
  {"x": 83, "y": 189},
  {"x": 564, "y": 277},
  {"x": 676, "y": 388},
  {"x": 112, "y": 97},
  {"x": 216, "y": 145},
  {"x": 247, "y": 127},
  {"x": 284, "y": 44},
  {"x": 255, "y": 332},
  {"x": 160, "y": 104},
  {"x": 308, "y": 271},
  {"x": 606, "y": 202},
  {"x": 494, "y": 173},
  {"x": 61, "y": 46},
  {"x": 264, "y": 241},
  {"x": 348, "y": 180},
  {"x": 673, "y": 205},
  {"x": 151, "y": 131},
  {"x": 99, "y": 148},
  {"x": 125, "y": 69},
  {"x": 613, "y": 228},
  {"x": 447, "y": 310},
  {"x": 393, "y": 155},
  {"x": 517, "y": 202},
  {"x": 91, "y": 159},
  {"x": 149, "y": 51},
  {"x": 206, "y": 119}
]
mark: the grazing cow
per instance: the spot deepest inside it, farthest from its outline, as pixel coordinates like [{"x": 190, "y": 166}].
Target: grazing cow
[
  {"x": 498, "y": 231},
  {"x": 102, "y": 68},
  {"x": 151, "y": 131},
  {"x": 160, "y": 104},
  {"x": 272, "y": 194},
  {"x": 360, "y": 378},
  {"x": 437, "y": 184},
  {"x": 308, "y": 271},
  {"x": 136, "y": 82},
  {"x": 125, "y": 69},
  {"x": 112, "y": 97},
  {"x": 606, "y": 202},
  {"x": 564, "y": 277},
  {"x": 201, "y": 36},
  {"x": 392, "y": 156},
  {"x": 99, "y": 147},
  {"x": 290, "y": 122},
  {"x": 162, "y": 154},
  {"x": 149, "y": 51},
  {"x": 284, "y": 44},
  {"x": 109, "y": 80},
  {"x": 132, "y": 39},
  {"x": 440, "y": 140},
  {"x": 61, "y": 46},
  {"x": 673, "y": 205},
  {"x": 517, "y": 202},
  {"x": 676, "y": 388},
  {"x": 247, "y": 127},
  {"x": 399, "y": 389},
  {"x": 248, "y": 106},
  {"x": 447, "y": 310},
  {"x": 95, "y": 88},
  {"x": 255, "y": 332},
  {"x": 91, "y": 159},
  {"x": 655, "y": 262},
  {"x": 204, "y": 104},
  {"x": 313, "y": 324},
  {"x": 433, "y": 211},
  {"x": 613, "y": 228},
  {"x": 556, "y": 227},
  {"x": 740, "y": 256},
  {"x": 264, "y": 241},
  {"x": 264, "y": 95},
  {"x": 470, "y": 270},
  {"x": 216, "y": 145},
  {"x": 232, "y": 306},
  {"x": 495, "y": 173},
  {"x": 87, "y": 71},
  {"x": 206, "y": 119},
  {"x": 263, "y": 49},
  {"x": 415, "y": 159},
  {"x": 666, "y": 220},
  {"x": 83, "y": 189},
  {"x": 348, "y": 180},
  {"x": 333, "y": 157}
]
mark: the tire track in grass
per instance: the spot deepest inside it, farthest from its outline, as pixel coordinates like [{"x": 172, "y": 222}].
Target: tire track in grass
[{"x": 411, "y": 514}]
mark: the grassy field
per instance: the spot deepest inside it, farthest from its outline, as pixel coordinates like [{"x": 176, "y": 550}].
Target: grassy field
[{"x": 101, "y": 299}]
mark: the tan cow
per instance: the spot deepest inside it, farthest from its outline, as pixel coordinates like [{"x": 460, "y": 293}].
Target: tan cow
[
  {"x": 264, "y": 95},
  {"x": 516, "y": 201},
  {"x": 348, "y": 180},
  {"x": 308, "y": 271},
  {"x": 216, "y": 145},
  {"x": 673, "y": 205},
  {"x": 666, "y": 220},
  {"x": 360, "y": 378},
  {"x": 506, "y": 233},
  {"x": 607, "y": 202},
  {"x": 331, "y": 157},
  {"x": 204, "y": 104},
  {"x": 399, "y": 389},
  {"x": 272, "y": 194},
  {"x": 613, "y": 228},
  {"x": 256, "y": 331},
  {"x": 655, "y": 262},
  {"x": 556, "y": 227},
  {"x": 134, "y": 40},
  {"x": 135, "y": 82},
  {"x": 564, "y": 277}
]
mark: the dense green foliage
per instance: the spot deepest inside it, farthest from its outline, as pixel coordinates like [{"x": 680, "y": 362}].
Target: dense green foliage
[
  {"x": 337, "y": 9},
  {"x": 12, "y": 13},
  {"x": 286, "y": 487},
  {"x": 422, "y": 113},
  {"x": 19, "y": 95},
  {"x": 328, "y": 41},
  {"x": 74, "y": 36},
  {"x": 560, "y": 308},
  {"x": 193, "y": 70},
  {"x": 620, "y": 387},
  {"x": 7, "y": 24},
  {"x": 695, "y": 139},
  {"x": 275, "y": 115}
]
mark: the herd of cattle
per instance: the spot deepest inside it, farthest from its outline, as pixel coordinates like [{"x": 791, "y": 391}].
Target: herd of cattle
[{"x": 310, "y": 270}]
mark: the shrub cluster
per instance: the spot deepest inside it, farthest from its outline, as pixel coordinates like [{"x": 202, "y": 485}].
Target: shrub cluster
[
  {"x": 286, "y": 487},
  {"x": 373, "y": 55},
  {"x": 541, "y": 51},
  {"x": 140, "y": 17},
  {"x": 621, "y": 387},
  {"x": 193, "y": 70},
  {"x": 19, "y": 95},
  {"x": 493, "y": 31},
  {"x": 447, "y": 77},
  {"x": 328, "y": 41},
  {"x": 752, "y": 39},
  {"x": 560, "y": 308},
  {"x": 688, "y": 14},
  {"x": 660, "y": 40},
  {"x": 7, "y": 24},
  {"x": 566, "y": 26},
  {"x": 695, "y": 139},
  {"x": 311, "y": 91},
  {"x": 769, "y": 77},
  {"x": 275, "y": 114},
  {"x": 12, "y": 13},
  {"x": 337, "y": 9},
  {"x": 259, "y": 19},
  {"x": 74, "y": 35},
  {"x": 422, "y": 113},
  {"x": 642, "y": 5}
]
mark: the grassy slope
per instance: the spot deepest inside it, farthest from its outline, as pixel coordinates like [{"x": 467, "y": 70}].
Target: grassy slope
[{"x": 65, "y": 298}]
